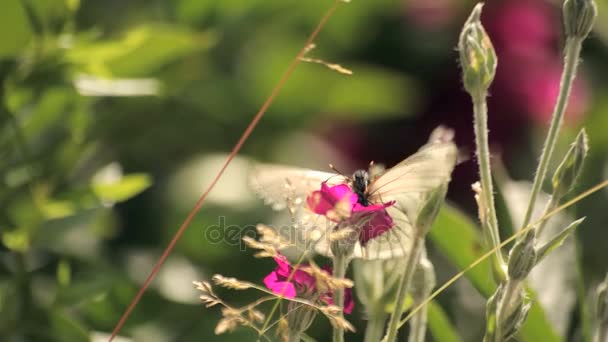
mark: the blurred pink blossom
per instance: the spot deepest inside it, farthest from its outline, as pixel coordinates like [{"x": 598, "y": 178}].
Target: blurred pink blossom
[{"x": 526, "y": 37}]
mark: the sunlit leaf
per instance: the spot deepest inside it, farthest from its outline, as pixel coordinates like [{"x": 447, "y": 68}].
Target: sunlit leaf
[
  {"x": 122, "y": 189},
  {"x": 15, "y": 31},
  {"x": 141, "y": 51}
]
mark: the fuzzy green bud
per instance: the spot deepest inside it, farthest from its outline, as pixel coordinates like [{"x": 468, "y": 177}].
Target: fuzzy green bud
[
  {"x": 570, "y": 168},
  {"x": 515, "y": 320},
  {"x": 430, "y": 209},
  {"x": 522, "y": 258},
  {"x": 477, "y": 56},
  {"x": 578, "y": 16}
]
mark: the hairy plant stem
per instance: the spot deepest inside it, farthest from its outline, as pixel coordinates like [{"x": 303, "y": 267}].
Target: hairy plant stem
[
  {"x": 572, "y": 52},
  {"x": 511, "y": 289},
  {"x": 340, "y": 261},
  {"x": 375, "y": 326},
  {"x": 551, "y": 205},
  {"x": 480, "y": 123},
  {"x": 418, "y": 324},
  {"x": 404, "y": 286}
]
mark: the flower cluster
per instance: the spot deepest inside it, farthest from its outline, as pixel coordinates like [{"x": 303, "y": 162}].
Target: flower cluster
[
  {"x": 291, "y": 281},
  {"x": 339, "y": 203}
]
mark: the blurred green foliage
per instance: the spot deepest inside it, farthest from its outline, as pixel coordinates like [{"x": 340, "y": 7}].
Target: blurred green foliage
[{"x": 104, "y": 104}]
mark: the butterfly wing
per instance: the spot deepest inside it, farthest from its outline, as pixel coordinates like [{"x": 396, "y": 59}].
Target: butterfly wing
[
  {"x": 423, "y": 171},
  {"x": 280, "y": 185}
]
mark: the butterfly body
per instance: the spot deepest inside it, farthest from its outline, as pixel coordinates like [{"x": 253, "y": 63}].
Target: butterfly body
[{"x": 360, "y": 181}]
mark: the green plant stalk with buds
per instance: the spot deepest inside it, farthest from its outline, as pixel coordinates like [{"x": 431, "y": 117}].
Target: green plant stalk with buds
[
  {"x": 565, "y": 177},
  {"x": 578, "y": 16},
  {"x": 478, "y": 62},
  {"x": 509, "y": 299}
]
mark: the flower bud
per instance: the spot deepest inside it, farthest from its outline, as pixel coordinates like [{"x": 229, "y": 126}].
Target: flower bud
[
  {"x": 568, "y": 170},
  {"x": 522, "y": 258},
  {"x": 515, "y": 320},
  {"x": 477, "y": 56},
  {"x": 430, "y": 209},
  {"x": 578, "y": 16}
]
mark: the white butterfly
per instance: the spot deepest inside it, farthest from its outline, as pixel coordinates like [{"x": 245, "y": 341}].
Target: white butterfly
[{"x": 406, "y": 183}]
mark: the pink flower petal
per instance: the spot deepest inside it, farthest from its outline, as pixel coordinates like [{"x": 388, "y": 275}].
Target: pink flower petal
[
  {"x": 376, "y": 218},
  {"x": 284, "y": 288},
  {"x": 326, "y": 199}
]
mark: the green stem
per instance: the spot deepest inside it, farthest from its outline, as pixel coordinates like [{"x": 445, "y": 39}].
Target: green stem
[
  {"x": 571, "y": 59},
  {"x": 480, "y": 114},
  {"x": 339, "y": 271},
  {"x": 418, "y": 324},
  {"x": 404, "y": 286},
  {"x": 551, "y": 205},
  {"x": 505, "y": 303},
  {"x": 375, "y": 326}
]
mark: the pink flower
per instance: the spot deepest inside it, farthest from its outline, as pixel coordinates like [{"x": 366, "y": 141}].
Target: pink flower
[
  {"x": 374, "y": 220},
  {"x": 278, "y": 281},
  {"x": 301, "y": 283}
]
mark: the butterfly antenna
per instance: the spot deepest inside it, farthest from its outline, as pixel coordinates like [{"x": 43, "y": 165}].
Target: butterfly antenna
[{"x": 331, "y": 166}]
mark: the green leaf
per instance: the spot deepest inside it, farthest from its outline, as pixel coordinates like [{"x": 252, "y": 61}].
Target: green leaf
[
  {"x": 66, "y": 328},
  {"x": 141, "y": 51},
  {"x": 537, "y": 327},
  {"x": 123, "y": 189},
  {"x": 83, "y": 289},
  {"x": 15, "y": 30},
  {"x": 439, "y": 324},
  {"x": 460, "y": 240},
  {"x": 557, "y": 240}
]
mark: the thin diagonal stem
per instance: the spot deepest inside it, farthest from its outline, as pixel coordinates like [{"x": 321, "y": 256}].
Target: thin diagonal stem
[
  {"x": 404, "y": 286},
  {"x": 571, "y": 60},
  {"x": 290, "y": 69}
]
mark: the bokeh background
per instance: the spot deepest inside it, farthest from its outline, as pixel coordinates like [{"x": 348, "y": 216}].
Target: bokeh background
[{"x": 115, "y": 115}]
